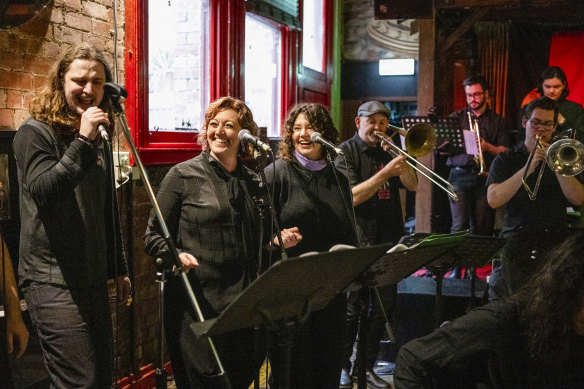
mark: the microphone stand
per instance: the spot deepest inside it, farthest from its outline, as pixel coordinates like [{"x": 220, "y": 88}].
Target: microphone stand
[
  {"x": 160, "y": 373},
  {"x": 366, "y": 298},
  {"x": 348, "y": 206},
  {"x": 115, "y": 92}
]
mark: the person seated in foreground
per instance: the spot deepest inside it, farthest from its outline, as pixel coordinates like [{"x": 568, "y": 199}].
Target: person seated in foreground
[{"x": 532, "y": 339}]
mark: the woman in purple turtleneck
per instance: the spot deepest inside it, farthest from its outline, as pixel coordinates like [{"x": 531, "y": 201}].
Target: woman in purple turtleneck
[{"x": 309, "y": 193}]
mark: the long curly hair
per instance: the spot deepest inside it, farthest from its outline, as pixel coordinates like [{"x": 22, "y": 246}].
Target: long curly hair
[
  {"x": 50, "y": 104},
  {"x": 548, "y": 304},
  {"x": 244, "y": 117},
  {"x": 319, "y": 118}
]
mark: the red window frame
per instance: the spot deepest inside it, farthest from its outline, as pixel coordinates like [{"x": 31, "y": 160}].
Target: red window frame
[
  {"x": 226, "y": 57},
  {"x": 227, "y": 40}
]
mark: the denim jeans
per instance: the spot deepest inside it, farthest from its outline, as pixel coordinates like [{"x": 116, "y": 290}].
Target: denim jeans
[{"x": 75, "y": 333}]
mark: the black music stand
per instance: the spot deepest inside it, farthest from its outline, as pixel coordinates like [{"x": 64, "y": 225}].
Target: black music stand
[
  {"x": 449, "y": 134},
  {"x": 390, "y": 269},
  {"x": 286, "y": 293},
  {"x": 466, "y": 250}
]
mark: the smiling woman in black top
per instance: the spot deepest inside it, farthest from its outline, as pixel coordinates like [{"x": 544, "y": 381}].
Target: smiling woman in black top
[
  {"x": 312, "y": 196},
  {"x": 208, "y": 205}
]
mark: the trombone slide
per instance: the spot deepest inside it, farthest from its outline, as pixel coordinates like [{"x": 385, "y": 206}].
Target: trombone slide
[{"x": 418, "y": 166}]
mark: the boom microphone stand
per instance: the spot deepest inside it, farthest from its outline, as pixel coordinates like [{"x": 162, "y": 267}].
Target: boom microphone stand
[{"x": 115, "y": 92}]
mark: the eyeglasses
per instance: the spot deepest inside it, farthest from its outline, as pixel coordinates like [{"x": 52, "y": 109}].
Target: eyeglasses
[
  {"x": 537, "y": 124},
  {"x": 475, "y": 95}
]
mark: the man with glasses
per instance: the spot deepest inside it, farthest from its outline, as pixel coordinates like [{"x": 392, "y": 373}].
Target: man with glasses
[
  {"x": 531, "y": 226},
  {"x": 472, "y": 211}
]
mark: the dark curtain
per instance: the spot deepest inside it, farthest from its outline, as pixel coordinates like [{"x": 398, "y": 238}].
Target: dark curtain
[
  {"x": 493, "y": 52},
  {"x": 528, "y": 57}
]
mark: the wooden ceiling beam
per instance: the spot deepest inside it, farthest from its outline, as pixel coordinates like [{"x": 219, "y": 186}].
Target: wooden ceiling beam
[{"x": 476, "y": 15}]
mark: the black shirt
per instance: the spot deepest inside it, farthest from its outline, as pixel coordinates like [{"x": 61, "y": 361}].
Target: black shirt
[
  {"x": 380, "y": 217},
  {"x": 490, "y": 337},
  {"x": 69, "y": 220},
  {"x": 492, "y": 129},
  {"x": 312, "y": 201},
  {"x": 210, "y": 213},
  {"x": 547, "y": 211}
]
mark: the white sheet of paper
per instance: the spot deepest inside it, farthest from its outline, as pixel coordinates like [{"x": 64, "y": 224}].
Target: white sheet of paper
[{"x": 470, "y": 142}]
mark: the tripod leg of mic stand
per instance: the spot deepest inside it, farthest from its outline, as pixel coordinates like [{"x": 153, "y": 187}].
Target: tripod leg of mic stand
[
  {"x": 387, "y": 325},
  {"x": 160, "y": 374},
  {"x": 361, "y": 358},
  {"x": 439, "y": 273},
  {"x": 473, "y": 277}
]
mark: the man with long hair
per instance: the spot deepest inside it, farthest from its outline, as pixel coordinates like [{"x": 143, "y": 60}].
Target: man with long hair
[
  {"x": 70, "y": 240},
  {"x": 533, "y": 339}
]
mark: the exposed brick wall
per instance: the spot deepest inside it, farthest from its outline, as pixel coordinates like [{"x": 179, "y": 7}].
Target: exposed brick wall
[
  {"x": 28, "y": 51},
  {"x": 26, "y": 54}
]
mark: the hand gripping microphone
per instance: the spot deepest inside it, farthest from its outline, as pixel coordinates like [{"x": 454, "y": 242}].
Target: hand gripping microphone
[
  {"x": 316, "y": 137},
  {"x": 103, "y": 132},
  {"x": 245, "y": 135}
]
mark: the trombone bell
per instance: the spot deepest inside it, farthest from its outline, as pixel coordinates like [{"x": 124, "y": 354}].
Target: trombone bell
[
  {"x": 566, "y": 157},
  {"x": 420, "y": 138}
]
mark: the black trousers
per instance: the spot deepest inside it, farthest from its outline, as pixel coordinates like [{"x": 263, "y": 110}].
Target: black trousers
[
  {"x": 193, "y": 362},
  {"x": 316, "y": 349},
  {"x": 75, "y": 333}
]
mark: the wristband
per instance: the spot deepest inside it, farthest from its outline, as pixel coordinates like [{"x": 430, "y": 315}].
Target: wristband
[{"x": 85, "y": 139}]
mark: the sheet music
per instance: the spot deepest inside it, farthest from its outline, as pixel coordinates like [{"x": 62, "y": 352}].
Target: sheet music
[{"x": 470, "y": 142}]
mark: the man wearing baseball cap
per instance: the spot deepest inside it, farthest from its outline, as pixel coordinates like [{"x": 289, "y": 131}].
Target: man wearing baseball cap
[{"x": 375, "y": 177}]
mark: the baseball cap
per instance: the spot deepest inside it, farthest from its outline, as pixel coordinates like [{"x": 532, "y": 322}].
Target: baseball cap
[{"x": 372, "y": 107}]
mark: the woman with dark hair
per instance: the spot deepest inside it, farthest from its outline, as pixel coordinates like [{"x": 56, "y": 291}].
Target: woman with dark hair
[
  {"x": 313, "y": 196},
  {"x": 533, "y": 339},
  {"x": 208, "y": 203}
]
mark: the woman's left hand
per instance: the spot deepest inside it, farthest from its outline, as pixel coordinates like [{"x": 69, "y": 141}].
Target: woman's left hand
[{"x": 290, "y": 238}]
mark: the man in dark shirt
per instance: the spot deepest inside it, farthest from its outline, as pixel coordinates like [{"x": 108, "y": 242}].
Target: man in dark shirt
[
  {"x": 375, "y": 180},
  {"x": 531, "y": 226},
  {"x": 472, "y": 211},
  {"x": 70, "y": 237}
]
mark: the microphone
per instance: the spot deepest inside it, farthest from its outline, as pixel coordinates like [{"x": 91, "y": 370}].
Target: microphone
[
  {"x": 103, "y": 132},
  {"x": 245, "y": 135},
  {"x": 316, "y": 137}
]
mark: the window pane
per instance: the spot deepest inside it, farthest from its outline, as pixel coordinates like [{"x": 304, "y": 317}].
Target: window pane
[
  {"x": 178, "y": 76},
  {"x": 263, "y": 72},
  {"x": 313, "y": 35}
]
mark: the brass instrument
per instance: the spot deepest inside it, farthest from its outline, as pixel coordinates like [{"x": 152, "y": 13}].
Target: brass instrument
[
  {"x": 479, "y": 159},
  {"x": 420, "y": 140},
  {"x": 565, "y": 157}
]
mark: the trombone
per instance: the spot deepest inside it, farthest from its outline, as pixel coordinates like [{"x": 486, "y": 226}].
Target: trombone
[
  {"x": 420, "y": 140},
  {"x": 474, "y": 127},
  {"x": 565, "y": 157}
]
